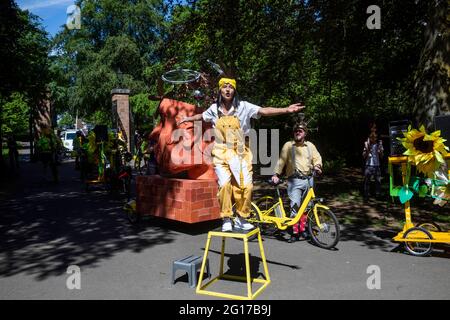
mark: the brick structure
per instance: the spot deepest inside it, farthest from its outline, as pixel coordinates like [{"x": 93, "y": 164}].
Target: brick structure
[
  {"x": 121, "y": 110},
  {"x": 183, "y": 200}
]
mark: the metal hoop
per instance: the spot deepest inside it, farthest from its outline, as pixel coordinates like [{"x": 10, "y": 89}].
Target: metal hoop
[{"x": 180, "y": 76}]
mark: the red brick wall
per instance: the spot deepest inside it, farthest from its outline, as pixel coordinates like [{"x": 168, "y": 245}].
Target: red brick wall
[{"x": 183, "y": 200}]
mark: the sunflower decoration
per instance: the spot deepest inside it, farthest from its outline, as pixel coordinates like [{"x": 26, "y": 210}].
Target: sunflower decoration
[{"x": 425, "y": 151}]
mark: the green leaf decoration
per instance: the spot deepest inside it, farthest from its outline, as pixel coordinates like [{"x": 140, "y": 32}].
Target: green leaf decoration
[
  {"x": 405, "y": 194},
  {"x": 416, "y": 184},
  {"x": 395, "y": 191},
  {"x": 423, "y": 190}
]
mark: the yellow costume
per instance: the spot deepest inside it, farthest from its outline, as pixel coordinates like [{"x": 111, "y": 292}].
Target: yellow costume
[
  {"x": 232, "y": 157},
  {"x": 233, "y": 165}
]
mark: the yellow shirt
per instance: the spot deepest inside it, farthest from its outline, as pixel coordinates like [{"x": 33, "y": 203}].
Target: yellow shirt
[{"x": 304, "y": 160}]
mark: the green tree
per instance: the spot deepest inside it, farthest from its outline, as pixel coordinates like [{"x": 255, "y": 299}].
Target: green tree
[
  {"x": 143, "y": 111},
  {"x": 66, "y": 120},
  {"x": 23, "y": 57},
  {"x": 15, "y": 115},
  {"x": 432, "y": 82},
  {"x": 116, "y": 47}
]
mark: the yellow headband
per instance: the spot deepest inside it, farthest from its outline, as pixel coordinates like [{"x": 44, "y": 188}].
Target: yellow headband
[{"x": 227, "y": 80}]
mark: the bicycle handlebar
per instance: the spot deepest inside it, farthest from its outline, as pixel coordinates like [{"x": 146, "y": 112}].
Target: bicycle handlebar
[{"x": 269, "y": 181}]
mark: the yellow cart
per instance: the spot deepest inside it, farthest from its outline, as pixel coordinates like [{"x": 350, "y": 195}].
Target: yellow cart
[{"x": 418, "y": 239}]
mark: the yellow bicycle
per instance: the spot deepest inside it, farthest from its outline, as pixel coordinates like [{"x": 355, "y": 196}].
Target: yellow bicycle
[{"x": 322, "y": 224}]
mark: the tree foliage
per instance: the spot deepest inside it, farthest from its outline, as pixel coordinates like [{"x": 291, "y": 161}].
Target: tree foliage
[
  {"x": 24, "y": 66},
  {"x": 319, "y": 52},
  {"x": 15, "y": 115},
  {"x": 116, "y": 47}
]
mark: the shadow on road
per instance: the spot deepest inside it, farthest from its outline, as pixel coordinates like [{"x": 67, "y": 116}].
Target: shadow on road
[{"x": 46, "y": 227}]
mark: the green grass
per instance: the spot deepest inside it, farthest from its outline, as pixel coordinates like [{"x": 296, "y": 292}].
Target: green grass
[
  {"x": 441, "y": 218},
  {"x": 352, "y": 195}
]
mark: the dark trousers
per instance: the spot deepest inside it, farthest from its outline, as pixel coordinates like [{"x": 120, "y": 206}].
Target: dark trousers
[{"x": 369, "y": 172}]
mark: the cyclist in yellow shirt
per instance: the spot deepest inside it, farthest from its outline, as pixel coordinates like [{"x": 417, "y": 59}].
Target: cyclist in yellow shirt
[{"x": 299, "y": 158}]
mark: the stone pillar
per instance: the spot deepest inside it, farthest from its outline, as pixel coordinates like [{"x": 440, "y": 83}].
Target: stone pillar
[
  {"x": 122, "y": 115},
  {"x": 42, "y": 117}
]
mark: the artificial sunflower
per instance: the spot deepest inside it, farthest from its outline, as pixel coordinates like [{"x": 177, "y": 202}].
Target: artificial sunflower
[{"x": 425, "y": 151}]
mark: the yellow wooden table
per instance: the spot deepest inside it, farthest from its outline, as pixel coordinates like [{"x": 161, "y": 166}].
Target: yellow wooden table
[{"x": 201, "y": 289}]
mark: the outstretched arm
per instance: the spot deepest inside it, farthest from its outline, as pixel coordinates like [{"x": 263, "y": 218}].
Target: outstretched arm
[
  {"x": 269, "y": 111},
  {"x": 196, "y": 117}
]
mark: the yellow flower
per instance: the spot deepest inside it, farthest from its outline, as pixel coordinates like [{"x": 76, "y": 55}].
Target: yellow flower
[{"x": 425, "y": 151}]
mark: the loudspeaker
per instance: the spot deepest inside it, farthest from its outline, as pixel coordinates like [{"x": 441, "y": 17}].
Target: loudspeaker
[
  {"x": 396, "y": 129},
  {"x": 443, "y": 123},
  {"x": 101, "y": 133}
]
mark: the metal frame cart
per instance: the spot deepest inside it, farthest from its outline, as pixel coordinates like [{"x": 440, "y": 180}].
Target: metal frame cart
[{"x": 418, "y": 240}]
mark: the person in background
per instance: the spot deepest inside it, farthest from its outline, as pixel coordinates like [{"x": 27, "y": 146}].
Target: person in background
[
  {"x": 13, "y": 152},
  {"x": 47, "y": 146},
  {"x": 77, "y": 144},
  {"x": 372, "y": 153}
]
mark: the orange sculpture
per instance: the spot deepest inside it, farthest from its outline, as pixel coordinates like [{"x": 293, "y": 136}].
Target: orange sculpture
[{"x": 181, "y": 149}]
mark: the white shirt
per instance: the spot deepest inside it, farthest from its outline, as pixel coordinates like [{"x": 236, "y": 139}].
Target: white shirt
[
  {"x": 244, "y": 113},
  {"x": 373, "y": 158}
]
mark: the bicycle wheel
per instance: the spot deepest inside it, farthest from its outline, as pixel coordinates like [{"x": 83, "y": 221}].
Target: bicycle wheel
[
  {"x": 180, "y": 76},
  {"x": 417, "y": 247},
  {"x": 252, "y": 218},
  {"x": 328, "y": 235},
  {"x": 264, "y": 204}
]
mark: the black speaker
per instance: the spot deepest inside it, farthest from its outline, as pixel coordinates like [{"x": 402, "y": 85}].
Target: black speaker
[
  {"x": 396, "y": 129},
  {"x": 101, "y": 133},
  {"x": 443, "y": 123}
]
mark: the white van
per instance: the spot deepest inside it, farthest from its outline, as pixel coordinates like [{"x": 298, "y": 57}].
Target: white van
[{"x": 67, "y": 138}]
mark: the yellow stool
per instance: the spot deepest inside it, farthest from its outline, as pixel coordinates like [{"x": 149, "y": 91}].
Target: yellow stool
[{"x": 201, "y": 289}]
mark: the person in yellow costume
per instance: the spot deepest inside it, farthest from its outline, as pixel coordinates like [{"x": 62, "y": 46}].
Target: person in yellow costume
[{"x": 232, "y": 157}]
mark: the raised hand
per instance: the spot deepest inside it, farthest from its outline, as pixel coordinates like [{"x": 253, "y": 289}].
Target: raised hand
[{"x": 296, "y": 107}]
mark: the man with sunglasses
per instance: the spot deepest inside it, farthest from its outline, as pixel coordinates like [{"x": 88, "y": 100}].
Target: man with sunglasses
[{"x": 299, "y": 159}]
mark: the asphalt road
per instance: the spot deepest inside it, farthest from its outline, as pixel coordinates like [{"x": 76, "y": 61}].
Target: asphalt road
[{"x": 46, "y": 227}]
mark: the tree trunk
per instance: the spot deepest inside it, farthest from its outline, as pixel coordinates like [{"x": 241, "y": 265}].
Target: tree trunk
[
  {"x": 2, "y": 163},
  {"x": 431, "y": 97}
]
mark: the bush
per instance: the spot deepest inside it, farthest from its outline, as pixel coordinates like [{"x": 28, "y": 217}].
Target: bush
[{"x": 334, "y": 165}]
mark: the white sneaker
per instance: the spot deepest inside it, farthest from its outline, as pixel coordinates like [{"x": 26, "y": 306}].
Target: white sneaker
[
  {"x": 227, "y": 226},
  {"x": 242, "y": 224}
]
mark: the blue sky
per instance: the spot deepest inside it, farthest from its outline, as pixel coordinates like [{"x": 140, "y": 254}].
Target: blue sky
[{"x": 52, "y": 12}]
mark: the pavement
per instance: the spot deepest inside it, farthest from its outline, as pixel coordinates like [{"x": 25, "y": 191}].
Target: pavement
[{"x": 45, "y": 228}]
